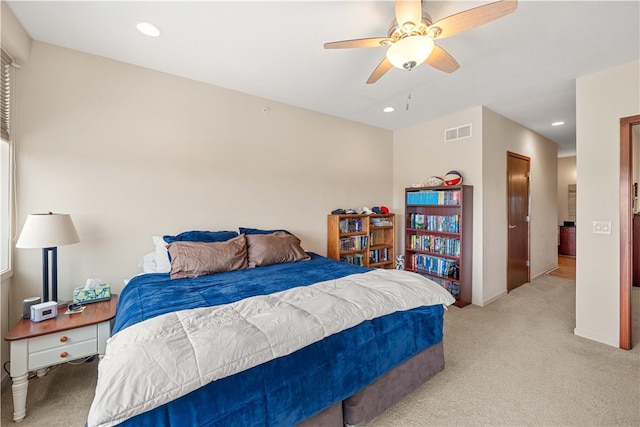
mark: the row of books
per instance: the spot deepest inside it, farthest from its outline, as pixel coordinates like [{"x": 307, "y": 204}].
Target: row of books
[
  {"x": 444, "y": 223},
  {"x": 452, "y": 287},
  {"x": 381, "y": 222},
  {"x": 436, "y": 244},
  {"x": 350, "y": 225},
  {"x": 433, "y": 197},
  {"x": 379, "y": 255},
  {"x": 357, "y": 259},
  {"x": 433, "y": 265},
  {"x": 353, "y": 243}
]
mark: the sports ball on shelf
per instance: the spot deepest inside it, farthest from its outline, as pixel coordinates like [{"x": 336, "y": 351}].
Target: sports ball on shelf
[{"x": 453, "y": 178}]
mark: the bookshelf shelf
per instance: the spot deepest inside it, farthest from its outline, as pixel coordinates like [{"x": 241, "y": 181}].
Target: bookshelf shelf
[
  {"x": 374, "y": 235},
  {"x": 438, "y": 237}
]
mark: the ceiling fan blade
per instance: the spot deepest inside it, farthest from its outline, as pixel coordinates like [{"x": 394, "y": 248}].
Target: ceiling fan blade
[
  {"x": 369, "y": 42},
  {"x": 441, "y": 60},
  {"x": 380, "y": 71},
  {"x": 408, "y": 11},
  {"x": 475, "y": 17}
]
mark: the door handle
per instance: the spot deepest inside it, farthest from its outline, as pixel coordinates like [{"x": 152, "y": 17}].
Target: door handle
[{"x": 512, "y": 226}]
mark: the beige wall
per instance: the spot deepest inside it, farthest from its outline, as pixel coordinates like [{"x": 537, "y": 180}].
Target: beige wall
[
  {"x": 132, "y": 153},
  {"x": 420, "y": 152},
  {"x": 15, "y": 41},
  {"x": 601, "y": 100},
  {"x": 501, "y": 135},
  {"x": 566, "y": 176}
]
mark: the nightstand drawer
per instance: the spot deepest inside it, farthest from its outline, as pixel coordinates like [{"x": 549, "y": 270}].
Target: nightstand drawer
[
  {"x": 62, "y": 354},
  {"x": 63, "y": 338}
]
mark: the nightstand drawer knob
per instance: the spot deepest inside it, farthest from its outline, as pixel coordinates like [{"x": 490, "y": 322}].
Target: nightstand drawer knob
[
  {"x": 63, "y": 339},
  {"x": 64, "y": 354}
]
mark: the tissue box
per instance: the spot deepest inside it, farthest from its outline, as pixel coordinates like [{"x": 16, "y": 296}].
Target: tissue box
[{"x": 85, "y": 296}]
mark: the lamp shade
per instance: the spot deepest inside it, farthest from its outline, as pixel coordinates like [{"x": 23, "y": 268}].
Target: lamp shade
[
  {"x": 410, "y": 51},
  {"x": 47, "y": 230}
]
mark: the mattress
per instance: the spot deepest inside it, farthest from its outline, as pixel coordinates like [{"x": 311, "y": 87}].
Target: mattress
[{"x": 289, "y": 389}]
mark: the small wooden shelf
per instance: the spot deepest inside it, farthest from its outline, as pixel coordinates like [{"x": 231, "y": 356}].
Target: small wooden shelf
[{"x": 374, "y": 239}]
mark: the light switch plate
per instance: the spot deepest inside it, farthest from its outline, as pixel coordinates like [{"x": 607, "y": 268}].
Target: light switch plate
[{"x": 601, "y": 227}]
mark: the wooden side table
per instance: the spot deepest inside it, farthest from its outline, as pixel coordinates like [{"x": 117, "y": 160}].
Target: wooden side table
[{"x": 38, "y": 345}]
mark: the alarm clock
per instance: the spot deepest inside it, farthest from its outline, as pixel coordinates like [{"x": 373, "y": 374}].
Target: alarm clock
[{"x": 44, "y": 311}]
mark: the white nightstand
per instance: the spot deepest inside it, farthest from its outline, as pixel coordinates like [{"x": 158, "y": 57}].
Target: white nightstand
[{"x": 38, "y": 345}]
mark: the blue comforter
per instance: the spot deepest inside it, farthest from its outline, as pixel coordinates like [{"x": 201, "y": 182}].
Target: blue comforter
[{"x": 289, "y": 389}]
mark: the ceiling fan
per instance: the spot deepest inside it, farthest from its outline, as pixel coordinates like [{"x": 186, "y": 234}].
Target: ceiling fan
[{"x": 411, "y": 36}]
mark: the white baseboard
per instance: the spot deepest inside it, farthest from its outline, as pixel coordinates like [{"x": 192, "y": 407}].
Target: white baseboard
[
  {"x": 544, "y": 273},
  {"x": 597, "y": 337},
  {"x": 494, "y": 298}
]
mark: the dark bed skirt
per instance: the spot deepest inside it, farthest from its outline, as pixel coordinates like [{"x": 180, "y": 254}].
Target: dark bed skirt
[{"x": 383, "y": 393}]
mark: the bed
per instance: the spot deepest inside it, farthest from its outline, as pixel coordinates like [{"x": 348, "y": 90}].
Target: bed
[{"x": 346, "y": 372}]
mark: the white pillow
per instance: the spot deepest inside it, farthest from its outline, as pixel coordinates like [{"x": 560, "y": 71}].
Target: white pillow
[
  {"x": 163, "y": 265},
  {"x": 148, "y": 263},
  {"x": 157, "y": 261}
]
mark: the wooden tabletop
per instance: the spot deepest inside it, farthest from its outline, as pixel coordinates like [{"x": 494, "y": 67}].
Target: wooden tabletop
[{"x": 93, "y": 313}]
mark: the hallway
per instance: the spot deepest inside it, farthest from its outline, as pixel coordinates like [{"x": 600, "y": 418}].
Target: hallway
[{"x": 566, "y": 268}]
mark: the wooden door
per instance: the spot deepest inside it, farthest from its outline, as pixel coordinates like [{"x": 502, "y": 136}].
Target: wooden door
[{"x": 518, "y": 220}]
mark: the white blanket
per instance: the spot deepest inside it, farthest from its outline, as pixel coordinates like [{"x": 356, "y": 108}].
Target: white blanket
[{"x": 159, "y": 360}]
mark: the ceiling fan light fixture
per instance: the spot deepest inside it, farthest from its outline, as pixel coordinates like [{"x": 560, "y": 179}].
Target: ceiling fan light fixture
[{"x": 410, "y": 51}]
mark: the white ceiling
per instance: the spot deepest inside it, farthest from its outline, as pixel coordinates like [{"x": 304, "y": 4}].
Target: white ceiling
[{"x": 522, "y": 66}]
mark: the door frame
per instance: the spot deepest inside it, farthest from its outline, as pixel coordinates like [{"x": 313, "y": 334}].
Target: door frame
[{"x": 626, "y": 227}]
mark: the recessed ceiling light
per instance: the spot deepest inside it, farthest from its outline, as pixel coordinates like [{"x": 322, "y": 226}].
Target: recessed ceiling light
[
  {"x": 148, "y": 29},
  {"x": 557, "y": 123},
  {"x": 389, "y": 109}
]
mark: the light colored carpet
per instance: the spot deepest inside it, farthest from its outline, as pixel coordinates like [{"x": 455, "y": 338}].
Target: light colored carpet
[{"x": 515, "y": 362}]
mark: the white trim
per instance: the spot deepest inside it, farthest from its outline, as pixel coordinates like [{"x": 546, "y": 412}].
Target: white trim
[
  {"x": 493, "y": 299},
  {"x": 545, "y": 273},
  {"x": 615, "y": 342}
]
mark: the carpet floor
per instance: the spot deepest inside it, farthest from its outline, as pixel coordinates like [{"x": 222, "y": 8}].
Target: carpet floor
[{"x": 515, "y": 362}]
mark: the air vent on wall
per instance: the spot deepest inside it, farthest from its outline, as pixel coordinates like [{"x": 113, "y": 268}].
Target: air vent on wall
[{"x": 460, "y": 132}]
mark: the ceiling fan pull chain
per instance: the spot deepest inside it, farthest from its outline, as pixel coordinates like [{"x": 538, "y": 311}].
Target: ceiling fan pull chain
[{"x": 408, "y": 91}]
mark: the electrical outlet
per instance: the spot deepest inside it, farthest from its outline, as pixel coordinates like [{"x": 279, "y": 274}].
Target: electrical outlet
[{"x": 601, "y": 227}]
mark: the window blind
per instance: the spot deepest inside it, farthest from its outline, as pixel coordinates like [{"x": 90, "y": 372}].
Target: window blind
[{"x": 5, "y": 95}]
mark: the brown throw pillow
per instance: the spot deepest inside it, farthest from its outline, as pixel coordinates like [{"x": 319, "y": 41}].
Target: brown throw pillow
[
  {"x": 193, "y": 259},
  {"x": 267, "y": 249}
]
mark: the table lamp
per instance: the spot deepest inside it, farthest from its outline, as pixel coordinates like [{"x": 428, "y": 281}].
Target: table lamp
[{"x": 48, "y": 231}]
